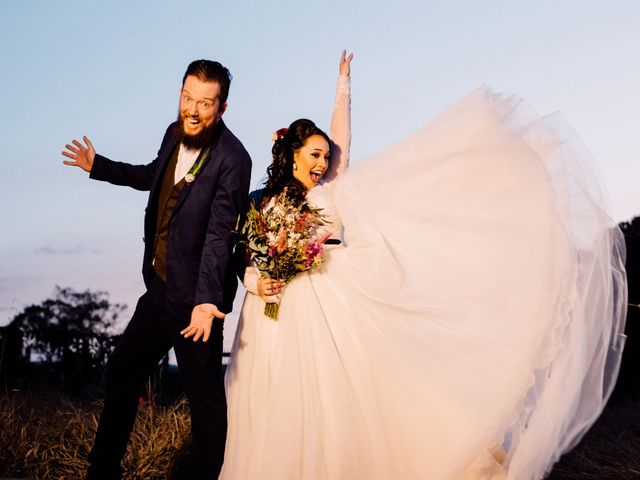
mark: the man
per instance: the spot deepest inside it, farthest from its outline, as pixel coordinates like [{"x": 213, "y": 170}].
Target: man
[{"x": 198, "y": 187}]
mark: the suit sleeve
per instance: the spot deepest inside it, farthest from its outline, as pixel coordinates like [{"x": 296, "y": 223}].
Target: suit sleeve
[
  {"x": 139, "y": 177},
  {"x": 229, "y": 202}
]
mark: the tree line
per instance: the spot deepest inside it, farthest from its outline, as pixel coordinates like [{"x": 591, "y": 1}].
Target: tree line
[{"x": 64, "y": 342}]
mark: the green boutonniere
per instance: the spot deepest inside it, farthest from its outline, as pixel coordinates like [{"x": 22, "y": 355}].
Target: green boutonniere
[{"x": 195, "y": 170}]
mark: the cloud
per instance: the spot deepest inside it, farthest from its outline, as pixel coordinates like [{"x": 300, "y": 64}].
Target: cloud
[{"x": 75, "y": 250}]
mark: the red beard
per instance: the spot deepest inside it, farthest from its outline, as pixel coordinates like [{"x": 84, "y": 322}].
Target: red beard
[{"x": 199, "y": 140}]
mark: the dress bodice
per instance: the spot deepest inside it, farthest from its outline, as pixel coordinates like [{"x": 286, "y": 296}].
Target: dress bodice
[{"x": 322, "y": 197}]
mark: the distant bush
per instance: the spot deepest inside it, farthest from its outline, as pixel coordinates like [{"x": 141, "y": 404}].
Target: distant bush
[{"x": 71, "y": 334}]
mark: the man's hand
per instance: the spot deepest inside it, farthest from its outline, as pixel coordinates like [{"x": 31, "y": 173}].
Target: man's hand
[
  {"x": 81, "y": 155},
  {"x": 201, "y": 320}
]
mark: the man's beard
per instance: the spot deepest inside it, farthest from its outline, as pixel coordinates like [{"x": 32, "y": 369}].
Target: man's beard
[{"x": 197, "y": 141}]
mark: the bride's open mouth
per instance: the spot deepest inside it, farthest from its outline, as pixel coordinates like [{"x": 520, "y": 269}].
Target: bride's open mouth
[{"x": 315, "y": 176}]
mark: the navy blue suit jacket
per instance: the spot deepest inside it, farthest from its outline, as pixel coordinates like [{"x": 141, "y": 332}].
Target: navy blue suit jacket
[{"x": 201, "y": 231}]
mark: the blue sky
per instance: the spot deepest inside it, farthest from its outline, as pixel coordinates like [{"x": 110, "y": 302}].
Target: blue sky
[{"x": 112, "y": 71}]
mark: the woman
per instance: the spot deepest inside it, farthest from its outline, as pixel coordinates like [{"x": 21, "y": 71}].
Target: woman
[{"x": 469, "y": 326}]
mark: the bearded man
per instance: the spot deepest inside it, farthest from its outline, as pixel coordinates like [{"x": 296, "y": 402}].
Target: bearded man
[{"x": 198, "y": 187}]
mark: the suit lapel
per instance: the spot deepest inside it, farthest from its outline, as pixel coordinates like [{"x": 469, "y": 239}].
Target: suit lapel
[
  {"x": 187, "y": 188},
  {"x": 163, "y": 158}
]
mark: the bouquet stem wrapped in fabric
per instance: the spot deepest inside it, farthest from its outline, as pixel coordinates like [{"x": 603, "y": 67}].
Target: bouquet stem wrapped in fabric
[{"x": 284, "y": 239}]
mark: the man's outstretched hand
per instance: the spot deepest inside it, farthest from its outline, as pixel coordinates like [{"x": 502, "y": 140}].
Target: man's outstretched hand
[
  {"x": 81, "y": 155},
  {"x": 201, "y": 320}
]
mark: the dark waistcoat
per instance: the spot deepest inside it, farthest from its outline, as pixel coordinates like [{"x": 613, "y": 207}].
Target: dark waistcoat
[{"x": 167, "y": 200}]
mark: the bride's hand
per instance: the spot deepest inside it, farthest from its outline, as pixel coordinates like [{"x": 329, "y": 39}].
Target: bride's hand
[
  {"x": 345, "y": 63},
  {"x": 268, "y": 287}
]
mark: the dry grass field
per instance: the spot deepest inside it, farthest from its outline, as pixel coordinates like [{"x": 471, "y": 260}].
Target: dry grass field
[{"x": 48, "y": 437}]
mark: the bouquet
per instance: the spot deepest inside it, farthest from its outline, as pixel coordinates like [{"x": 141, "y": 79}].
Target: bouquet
[{"x": 283, "y": 238}]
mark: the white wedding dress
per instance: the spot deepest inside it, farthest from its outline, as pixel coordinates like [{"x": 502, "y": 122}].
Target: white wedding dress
[{"x": 469, "y": 326}]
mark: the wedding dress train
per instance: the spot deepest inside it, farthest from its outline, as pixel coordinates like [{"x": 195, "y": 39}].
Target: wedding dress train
[{"x": 475, "y": 309}]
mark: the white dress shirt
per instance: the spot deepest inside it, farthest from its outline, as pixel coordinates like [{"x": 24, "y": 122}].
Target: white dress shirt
[{"x": 186, "y": 158}]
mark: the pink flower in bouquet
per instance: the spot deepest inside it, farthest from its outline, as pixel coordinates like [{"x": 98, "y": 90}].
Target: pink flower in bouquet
[{"x": 315, "y": 249}]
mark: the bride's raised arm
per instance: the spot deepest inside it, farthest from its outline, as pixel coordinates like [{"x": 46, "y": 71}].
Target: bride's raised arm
[{"x": 340, "y": 129}]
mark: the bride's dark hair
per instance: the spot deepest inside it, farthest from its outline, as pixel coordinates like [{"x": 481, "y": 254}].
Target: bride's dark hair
[{"x": 280, "y": 172}]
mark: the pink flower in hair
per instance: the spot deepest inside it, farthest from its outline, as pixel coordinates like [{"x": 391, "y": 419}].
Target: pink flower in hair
[{"x": 279, "y": 134}]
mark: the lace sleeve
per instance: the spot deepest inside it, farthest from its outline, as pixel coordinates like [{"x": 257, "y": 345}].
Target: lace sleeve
[
  {"x": 340, "y": 129},
  {"x": 250, "y": 279}
]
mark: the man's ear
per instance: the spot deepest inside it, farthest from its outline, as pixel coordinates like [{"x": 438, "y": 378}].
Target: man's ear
[{"x": 223, "y": 109}]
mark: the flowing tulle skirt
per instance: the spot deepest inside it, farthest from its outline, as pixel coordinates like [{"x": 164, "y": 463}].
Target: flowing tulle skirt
[{"x": 470, "y": 326}]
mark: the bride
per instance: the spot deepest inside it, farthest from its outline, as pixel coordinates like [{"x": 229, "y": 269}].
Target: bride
[{"x": 467, "y": 322}]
